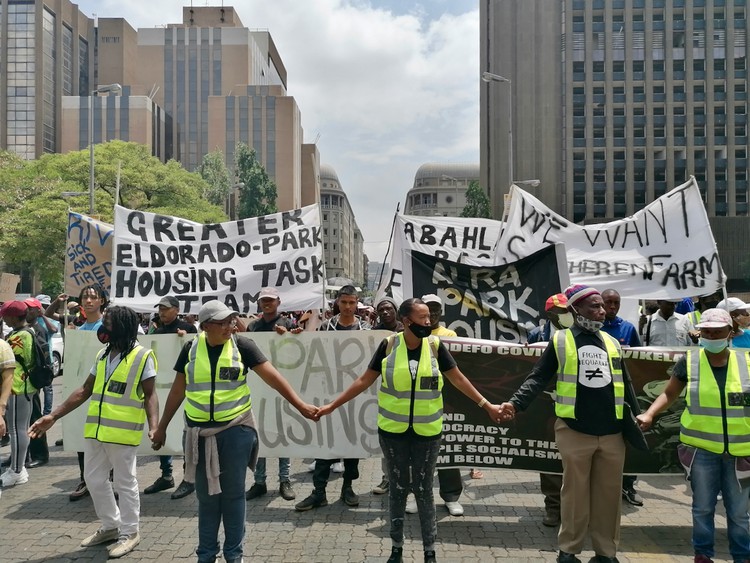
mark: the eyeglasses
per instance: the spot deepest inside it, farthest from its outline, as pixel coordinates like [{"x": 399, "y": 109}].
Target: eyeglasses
[{"x": 224, "y": 324}]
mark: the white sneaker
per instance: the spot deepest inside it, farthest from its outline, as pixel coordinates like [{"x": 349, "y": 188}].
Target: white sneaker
[
  {"x": 338, "y": 467},
  {"x": 124, "y": 545},
  {"x": 10, "y": 477},
  {"x": 101, "y": 536},
  {"x": 311, "y": 467},
  {"x": 411, "y": 504},
  {"x": 454, "y": 508}
]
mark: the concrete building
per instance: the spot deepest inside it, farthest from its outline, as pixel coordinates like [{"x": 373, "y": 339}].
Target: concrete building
[
  {"x": 612, "y": 103},
  {"x": 46, "y": 52},
  {"x": 343, "y": 245},
  {"x": 440, "y": 189}
]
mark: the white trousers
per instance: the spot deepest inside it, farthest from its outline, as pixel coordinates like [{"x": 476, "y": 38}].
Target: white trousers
[{"x": 99, "y": 458}]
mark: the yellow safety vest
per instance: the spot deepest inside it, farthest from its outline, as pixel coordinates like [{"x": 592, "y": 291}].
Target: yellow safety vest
[
  {"x": 116, "y": 412},
  {"x": 219, "y": 396},
  {"x": 402, "y": 400},
  {"x": 567, "y": 372},
  {"x": 702, "y": 421}
]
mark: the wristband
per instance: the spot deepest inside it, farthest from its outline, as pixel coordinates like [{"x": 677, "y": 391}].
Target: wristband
[{"x": 481, "y": 403}]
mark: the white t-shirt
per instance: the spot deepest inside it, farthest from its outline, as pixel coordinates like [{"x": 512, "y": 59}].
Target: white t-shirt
[{"x": 149, "y": 370}]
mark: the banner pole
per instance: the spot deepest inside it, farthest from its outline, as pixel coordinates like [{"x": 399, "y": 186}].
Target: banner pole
[{"x": 390, "y": 240}]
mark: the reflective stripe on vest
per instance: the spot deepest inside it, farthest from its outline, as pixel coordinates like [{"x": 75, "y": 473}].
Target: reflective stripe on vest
[
  {"x": 567, "y": 372},
  {"x": 395, "y": 406},
  {"x": 208, "y": 397},
  {"x": 702, "y": 421},
  {"x": 118, "y": 417}
]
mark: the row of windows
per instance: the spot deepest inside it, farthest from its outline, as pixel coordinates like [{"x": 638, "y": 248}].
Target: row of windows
[
  {"x": 698, "y": 12},
  {"x": 639, "y": 131},
  {"x": 598, "y": 110},
  {"x": 659, "y": 175},
  {"x": 658, "y": 65},
  {"x": 659, "y": 154}
]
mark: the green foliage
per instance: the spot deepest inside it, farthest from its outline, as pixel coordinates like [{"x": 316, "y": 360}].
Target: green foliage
[
  {"x": 35, "y": 213},
  {"x": 477, "y": 202},
  {"x": 258, "y": 195},
  {"x": 218, "y": 183}
]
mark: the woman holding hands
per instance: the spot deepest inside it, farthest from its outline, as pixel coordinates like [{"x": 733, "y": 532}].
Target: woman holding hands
[{"x": 411, "y": 365}]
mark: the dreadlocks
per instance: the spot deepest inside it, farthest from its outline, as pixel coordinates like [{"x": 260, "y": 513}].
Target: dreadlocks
[
  {"x": 124, "y": 323},
  {"x": 98, "y": 291}
]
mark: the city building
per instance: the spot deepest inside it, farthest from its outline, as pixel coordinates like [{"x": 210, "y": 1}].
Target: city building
[
  {"x": 47, "y": 50},
  {"x": 611, "y": 103},
  {"x": 440, "y": 189},
  {"x": 343, "y": 245}
]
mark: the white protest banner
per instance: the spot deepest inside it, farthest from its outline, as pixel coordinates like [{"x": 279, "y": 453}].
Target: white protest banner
[
  {"x": 665, "y": 251},
  {"x": 157, "y": 255},
  {"x": 468, "y": 240},
  {"x": 88, "y": 253}
]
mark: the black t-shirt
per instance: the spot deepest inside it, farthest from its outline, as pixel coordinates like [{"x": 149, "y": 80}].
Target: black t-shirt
[
  {"x": 174, "y": 327},
  {"x": 595, "y": 406},
  {"x": 720, "y": 373},
  {"x": 445, "y": 363},
  {"x": 262, "y": 325},
  {"x": 250, "y": 355}
]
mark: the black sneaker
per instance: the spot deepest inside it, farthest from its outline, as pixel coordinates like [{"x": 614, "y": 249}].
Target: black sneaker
[
  {"x": 564, "y": 557},
  {"x": 286, "y": 491},
  {"x": 348, "y": 496},
  {"x": 80, "y": 491},
  {"x": 382, "y": 487},
  {"x": 161, "y": 484},
  {"x": 632, "y": 496},
  {"x": 183, "y": 490},
  {"x": 397, "y": 555},
  {"x": 429, "y": 557},
  {"x": 257, "y": 490},
  {"x": 315, "y": 500}
]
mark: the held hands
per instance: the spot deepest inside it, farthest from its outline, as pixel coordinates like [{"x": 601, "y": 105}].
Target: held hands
[
  {"x": 645, "y": 421},
  {"x": 41, "y": 426},
  {"x": 325, "y": 410},
  {"x": 309, "y": 411},
  {"x": 158, "y": 438},
  {"x": 507, "y": 412}
]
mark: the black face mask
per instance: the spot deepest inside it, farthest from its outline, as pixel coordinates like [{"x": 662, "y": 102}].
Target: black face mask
[
  {"x": 420, "y": 331},
  {"x": 103, "y": 334}
]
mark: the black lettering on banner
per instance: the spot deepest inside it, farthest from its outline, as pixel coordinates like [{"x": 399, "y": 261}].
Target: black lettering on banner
[
  {"x": 266, "y": 225},
  {"x": 680, "y": 192},
  {"x": 135, "y": 221},
  {"x": 291, "y": 217},
  {"x": 215, "y": 228},
  {"x": 428, "y": 232},
  {"x": 409, "y": 232}
]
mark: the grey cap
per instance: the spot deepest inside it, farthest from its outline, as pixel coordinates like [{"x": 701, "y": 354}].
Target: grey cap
[{"x": 215, "y": 311}]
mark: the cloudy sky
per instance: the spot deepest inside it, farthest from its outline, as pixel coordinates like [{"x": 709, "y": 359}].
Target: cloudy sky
[{"x": 387, "y": 84}]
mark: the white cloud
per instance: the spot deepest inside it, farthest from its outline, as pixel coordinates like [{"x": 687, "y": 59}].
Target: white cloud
[{"x": 386, "y": 91}]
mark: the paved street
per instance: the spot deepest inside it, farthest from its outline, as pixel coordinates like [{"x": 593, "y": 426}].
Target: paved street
[{"x": 502, "y": 521}]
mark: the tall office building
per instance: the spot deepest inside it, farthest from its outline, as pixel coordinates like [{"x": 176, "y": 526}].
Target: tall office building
[
  {"x": 343, "y": 245},
  {"x": 440, "y": 189},
  {"x": 46, "y": 52},
  {"x": 614, "y": 102}
]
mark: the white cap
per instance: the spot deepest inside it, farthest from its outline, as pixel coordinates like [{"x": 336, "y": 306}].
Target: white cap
[
  {"x": 432, "y": 298},
  {"x": 215, "y": 311},
  {"x": 732, "y": 304}
]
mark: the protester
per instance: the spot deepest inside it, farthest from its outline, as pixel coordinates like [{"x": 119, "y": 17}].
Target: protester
[
  {"x": 667, "y": 328},
  {"x": 19, "y": 405},
  {"x": 7, "y": 372},
  {"x": 411, "y": 365},
  {"x": 169, "y": 323},
  {"x": 558, "y": 318},
  {"x": 50, "y": 326},
  {"x": 740, "y": 313},
  {"x": 705, "y": 302},
  {"x": 714, "y": 433},
  {"x": 589, "y": 403},
  {"x": 221, "y": 440},
  {"x": 93, "y": 299},
  {"x": 346, "y": 305},
  {"x": 122, "y": 389},
  {"x": 271, "y": 321}
]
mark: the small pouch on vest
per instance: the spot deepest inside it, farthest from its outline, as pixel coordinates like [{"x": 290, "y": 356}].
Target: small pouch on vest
[
  {"x": 229, "y": 373},
  {"x": 429, "y": 383},
  {"x": 116, "y": 387}
]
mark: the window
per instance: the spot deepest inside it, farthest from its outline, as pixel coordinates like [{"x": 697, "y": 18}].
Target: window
[
  {"x": 679, "y": 110},
  {"x": 699, "y": 65},
  {"x": 678, "y": 65},
  {"x": 699, "y": 131}
]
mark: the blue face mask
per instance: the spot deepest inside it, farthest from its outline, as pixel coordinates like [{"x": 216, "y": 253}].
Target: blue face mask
[{"x": 713, "y": 346}]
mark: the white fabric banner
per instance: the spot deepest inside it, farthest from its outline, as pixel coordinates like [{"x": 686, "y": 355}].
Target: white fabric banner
[
  {"x": 468, "y": 240},
  {"x": 318, "y": 366},
  {"x": 666, "y": 250},
  {"x": 157, "y": 255}
]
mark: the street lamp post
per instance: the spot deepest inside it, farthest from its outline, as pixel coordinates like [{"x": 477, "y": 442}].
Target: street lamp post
[
  {"x": 455, "y": 189},
  {"x": 100, "y": 90},
  {"x": 492, "y": 77}
]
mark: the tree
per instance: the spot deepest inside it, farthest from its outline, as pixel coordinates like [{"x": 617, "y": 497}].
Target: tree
[
  {"x": 214, "y": 172},
  {"x": 258, "y": 191},
  {"x": 477, "y": 202},
  {"x": 35, "y": 215}
]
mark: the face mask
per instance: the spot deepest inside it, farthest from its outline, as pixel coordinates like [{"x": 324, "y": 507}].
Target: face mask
[
  {"x": 420, "y": 331},
  {"x": 713, "y": 346},
  {"x": 103, "y": 334},
  {"x": 565, "y": 320},
  {"x": 587, "y": 324}
]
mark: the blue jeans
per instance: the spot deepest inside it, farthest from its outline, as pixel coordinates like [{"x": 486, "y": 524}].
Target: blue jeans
[
  {"x": 165, "y": 464},
  {"x": 260, "y": 470},
  {"x": 48, "y": 394},
  {"x": 711, "y": 473},
  {"x": 235, "y": 446}
]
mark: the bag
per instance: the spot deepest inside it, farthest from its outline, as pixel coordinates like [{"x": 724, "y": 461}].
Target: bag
[{"x": 40, "y": 374}]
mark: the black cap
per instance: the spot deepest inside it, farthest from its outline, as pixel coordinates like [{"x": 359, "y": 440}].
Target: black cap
[{"x": 168, "y": 301}]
